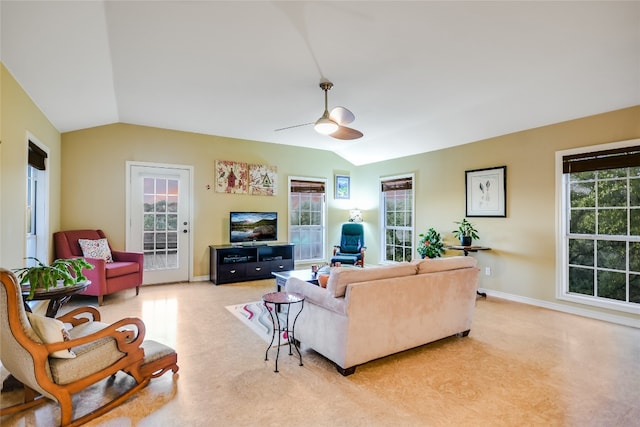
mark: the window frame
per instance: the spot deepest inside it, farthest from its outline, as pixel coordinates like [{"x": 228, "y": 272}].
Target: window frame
[
  {"x": 562, "y": 234},
  {"x": 383, "y": 214},
  {"x": 323, "y": 252}
]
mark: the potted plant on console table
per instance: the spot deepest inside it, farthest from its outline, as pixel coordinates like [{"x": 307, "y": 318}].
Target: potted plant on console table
[
  {"x": 430, "y": 244},
  {"x": 466, "y": 232}
]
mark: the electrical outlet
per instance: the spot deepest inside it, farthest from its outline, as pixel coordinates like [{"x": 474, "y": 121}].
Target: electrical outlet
[{"x": 487, "y": 271}]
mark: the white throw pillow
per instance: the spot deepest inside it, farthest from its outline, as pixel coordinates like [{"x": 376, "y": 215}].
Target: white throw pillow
[
  {"x": 96, "y": 249},
  {"x": 51, "y": 331}
]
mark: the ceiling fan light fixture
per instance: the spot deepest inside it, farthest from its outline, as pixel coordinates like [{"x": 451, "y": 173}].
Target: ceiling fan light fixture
[{"x": 325, "y": 125}]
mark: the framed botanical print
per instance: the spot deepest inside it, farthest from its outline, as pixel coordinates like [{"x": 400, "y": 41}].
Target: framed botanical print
[{"x": 486, "y": 192}]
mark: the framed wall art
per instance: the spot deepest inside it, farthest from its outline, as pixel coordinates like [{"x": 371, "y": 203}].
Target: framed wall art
[
  {"x": 231, "y": 177},
  {"x": 263, "y": 180},
  {"x": 486, "y": 192},
  {"x": 343, "y": 187}
]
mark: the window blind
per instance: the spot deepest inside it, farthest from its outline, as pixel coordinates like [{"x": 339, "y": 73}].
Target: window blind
[
  {"x": 600, "y": 160},
  {"x": 36, "y": 156},
  {"x": 405, "y": 183},
  {"x": 307, "y": 186}
]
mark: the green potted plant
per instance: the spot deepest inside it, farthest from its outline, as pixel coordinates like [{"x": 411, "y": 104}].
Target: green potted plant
[
  {"x": 430, "y": 244},
  {"x": 65, "y": 271},
  {"x": 466, "y": 232}
]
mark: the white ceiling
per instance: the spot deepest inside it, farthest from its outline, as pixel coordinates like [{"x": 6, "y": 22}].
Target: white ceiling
[{"x": 418, "y": 75}]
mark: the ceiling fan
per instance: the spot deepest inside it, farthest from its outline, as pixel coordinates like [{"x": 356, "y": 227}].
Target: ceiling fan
[{"x": 333, "y": 124}]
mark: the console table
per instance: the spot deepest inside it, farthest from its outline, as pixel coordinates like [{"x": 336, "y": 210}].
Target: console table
[
  {"x": 466, "y": 250},
  {"x": 228, "y": 263}
]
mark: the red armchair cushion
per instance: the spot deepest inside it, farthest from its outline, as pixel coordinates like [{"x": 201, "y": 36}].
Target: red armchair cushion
[{"x": 115, "y": 269}]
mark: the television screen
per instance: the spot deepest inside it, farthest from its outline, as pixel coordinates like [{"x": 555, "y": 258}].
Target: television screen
[{"x": 253, "y": 226}]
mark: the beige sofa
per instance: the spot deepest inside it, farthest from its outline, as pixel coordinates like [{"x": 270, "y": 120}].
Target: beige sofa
[{"x": 365, "y": 314}]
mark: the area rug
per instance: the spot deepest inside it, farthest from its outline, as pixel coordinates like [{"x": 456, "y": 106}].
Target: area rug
[{"x": 257, "y": 318}]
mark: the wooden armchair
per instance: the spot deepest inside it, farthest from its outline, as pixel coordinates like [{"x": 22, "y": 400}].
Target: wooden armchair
[{"x": 92, "y": 351}]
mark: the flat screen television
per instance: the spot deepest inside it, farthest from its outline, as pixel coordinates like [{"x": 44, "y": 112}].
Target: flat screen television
[{"x": 253, "y": 227}]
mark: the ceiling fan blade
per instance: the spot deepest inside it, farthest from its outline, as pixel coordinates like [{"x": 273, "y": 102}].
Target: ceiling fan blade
[
  {"x": 344, "y": 132},
  {"x": 294, "y": 126},
  {"x": 342, "y": 116}
]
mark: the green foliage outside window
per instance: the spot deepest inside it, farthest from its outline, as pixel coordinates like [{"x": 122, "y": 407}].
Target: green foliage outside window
[
  {"x": 604, "y": 227},
  {"x": 398, "y": 220}
]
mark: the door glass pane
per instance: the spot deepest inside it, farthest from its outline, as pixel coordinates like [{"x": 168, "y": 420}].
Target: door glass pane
[{"x": 160, "y": 221}]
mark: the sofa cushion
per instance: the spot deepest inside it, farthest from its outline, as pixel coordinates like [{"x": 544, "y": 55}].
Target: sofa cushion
[
  {"x": 431, "y": 265},
  {"x": 98, "y": 248},
  {"x": 341, "y": 277},
  {"x": 51, "y": 331}
]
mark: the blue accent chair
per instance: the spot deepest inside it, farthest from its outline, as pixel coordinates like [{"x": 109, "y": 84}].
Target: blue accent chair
[{"x": 351, "y": 248}]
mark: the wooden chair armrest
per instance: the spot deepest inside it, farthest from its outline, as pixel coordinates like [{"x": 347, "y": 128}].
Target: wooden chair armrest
[
  {"x": 127, "y": 340},
  {"x": 72, "y": 316}
]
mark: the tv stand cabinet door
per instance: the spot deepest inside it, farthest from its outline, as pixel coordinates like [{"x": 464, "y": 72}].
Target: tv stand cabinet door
[
  {"x": 281, "y": 265},
  {"x": 229, "y": 273},
  {"x": 257, "y": 270}
]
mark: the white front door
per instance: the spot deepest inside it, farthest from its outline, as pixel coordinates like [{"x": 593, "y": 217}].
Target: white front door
[{"x": 159, "y": 206}]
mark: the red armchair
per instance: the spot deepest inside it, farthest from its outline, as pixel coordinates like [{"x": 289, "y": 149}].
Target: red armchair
[{"x": 125, "y": 272}]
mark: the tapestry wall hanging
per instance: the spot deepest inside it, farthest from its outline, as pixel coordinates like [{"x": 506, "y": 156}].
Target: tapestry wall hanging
[
  {"x": 263, "y": 180},
  {"x": 242, "y": 178},
  {"x": 231, "y": 177}
]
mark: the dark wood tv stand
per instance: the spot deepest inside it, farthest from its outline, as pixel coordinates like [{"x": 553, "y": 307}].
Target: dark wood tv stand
[{"x": 231, "y": 263}]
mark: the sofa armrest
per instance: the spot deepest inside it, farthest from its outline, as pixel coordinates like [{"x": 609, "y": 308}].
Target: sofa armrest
[{"x": 314, "y": 294}]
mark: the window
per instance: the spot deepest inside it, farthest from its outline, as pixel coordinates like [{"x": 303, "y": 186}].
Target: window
[
  {"x": 396, "y": 198},
  {"x": 36, "y": 236},
  {"x": 600, "y": 244},
  {"x": 307, "y": 215}
]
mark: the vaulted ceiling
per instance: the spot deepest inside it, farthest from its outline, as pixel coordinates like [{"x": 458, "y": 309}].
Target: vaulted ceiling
[{"x": 419, "y": 76}]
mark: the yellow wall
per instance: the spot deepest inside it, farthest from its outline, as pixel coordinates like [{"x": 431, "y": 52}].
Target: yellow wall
[
  {"x": 93, "y": 183},
  {"x": 523, "y": 255},
  {"x": 93, "y": 186},
  {"x": 19, "y": 117}
]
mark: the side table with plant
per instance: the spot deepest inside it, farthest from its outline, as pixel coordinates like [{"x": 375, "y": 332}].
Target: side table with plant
[
  {"x": 466, "y": 232},
  {"x": 430, "y": 244},
  {"x": 68, "y": 272}
]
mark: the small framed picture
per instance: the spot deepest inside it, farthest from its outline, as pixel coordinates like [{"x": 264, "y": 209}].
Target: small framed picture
[
  {"x": 486, "y": 191},
  {"x": 343, "y": 187}
]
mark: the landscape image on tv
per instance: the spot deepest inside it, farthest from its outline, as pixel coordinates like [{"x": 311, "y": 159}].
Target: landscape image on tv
[{"x": 253, "y": 226}]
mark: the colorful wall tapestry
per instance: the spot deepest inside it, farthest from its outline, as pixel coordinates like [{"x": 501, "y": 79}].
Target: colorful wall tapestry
[
  {"x": 231, "y": 177},
  {"x": 263, "y": 180}
]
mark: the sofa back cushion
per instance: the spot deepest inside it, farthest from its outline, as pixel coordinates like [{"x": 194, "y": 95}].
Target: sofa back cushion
[
  {"x": 342, "y": 276},
  {"x": 432, "y": 265}
]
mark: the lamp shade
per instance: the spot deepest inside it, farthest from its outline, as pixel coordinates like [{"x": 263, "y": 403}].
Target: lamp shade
[{"x": 355, "y": 215}]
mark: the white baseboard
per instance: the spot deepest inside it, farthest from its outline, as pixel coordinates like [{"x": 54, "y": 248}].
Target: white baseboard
[
  {"x": 200, "y": 279},
  {"x": 621, "y": 320}
]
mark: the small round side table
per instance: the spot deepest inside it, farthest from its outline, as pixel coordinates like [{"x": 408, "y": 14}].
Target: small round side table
[{"x": 278, "y": 299}]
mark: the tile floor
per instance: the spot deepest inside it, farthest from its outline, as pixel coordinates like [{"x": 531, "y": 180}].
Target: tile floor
[{"x": 520, "y": 366}]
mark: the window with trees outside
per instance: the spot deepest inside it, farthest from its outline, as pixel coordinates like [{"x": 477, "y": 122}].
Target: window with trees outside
[
  {"x": 601, "y": 227},
  {"x": 307, "y": 213},
  {"x": 396, "y": 198}
]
